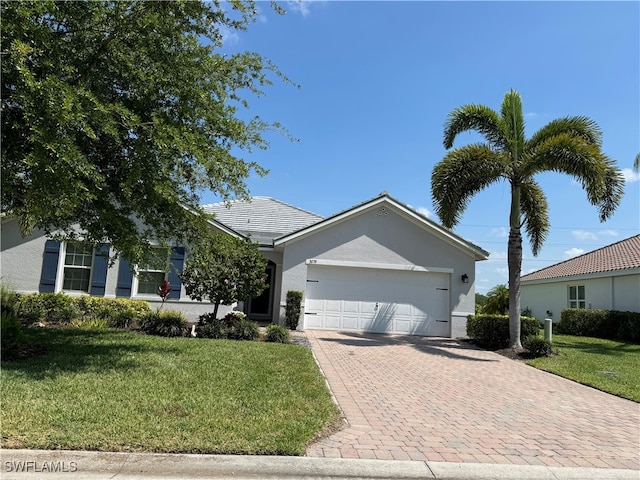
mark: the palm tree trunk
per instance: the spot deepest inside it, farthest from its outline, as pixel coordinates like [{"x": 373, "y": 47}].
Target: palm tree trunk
[{"x": 514, "y": 259}]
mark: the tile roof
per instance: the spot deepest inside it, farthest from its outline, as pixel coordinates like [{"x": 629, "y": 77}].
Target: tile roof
[
  {"x": 622, "y": 255},
  {"x": 262, "y": 218}
]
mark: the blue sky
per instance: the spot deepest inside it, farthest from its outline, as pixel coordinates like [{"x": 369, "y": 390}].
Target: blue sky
[{"x": 377, "y": 80}]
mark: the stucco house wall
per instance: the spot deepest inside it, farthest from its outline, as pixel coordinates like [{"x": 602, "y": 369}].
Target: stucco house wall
[
  {"x": 389, "y": 237},
  {"x": 620, "y": 292}
]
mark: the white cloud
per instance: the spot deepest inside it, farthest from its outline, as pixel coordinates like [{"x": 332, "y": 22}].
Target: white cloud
[
  {"x": 500, "y": 232},
  {"x": 503, "y": 272},
  {"x": 424, "y": 211},
  {"x": 229, "y": 37},
  {"x": 498, "y": 256},
  {"x": 531, "y": 115},
  {"x": 301, "y": 6},
  {"x": 630, "y": 176},
  {"x": 573, "y": 252},
  {"x": 581, "y": 235}
]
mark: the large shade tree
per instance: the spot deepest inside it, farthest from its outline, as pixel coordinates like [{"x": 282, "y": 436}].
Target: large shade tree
[
  {"x": 570, "y": 145},
  {"x": 118, "y": 115}
]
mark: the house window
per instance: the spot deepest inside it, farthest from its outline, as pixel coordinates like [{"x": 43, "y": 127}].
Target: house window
[
  {"x": 577, "y": 296},
  {"x": 151, "y": 277},
  {"x": 78, "y": 261}
]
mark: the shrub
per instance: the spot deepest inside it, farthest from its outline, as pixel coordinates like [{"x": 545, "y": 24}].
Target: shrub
[
  {"x": 293, "y": 309},
  {"x": 537, "y": 346},
  {"x": 94, "y": 323},
  {"x": 277, "y": 333},
  {"x": 611, "y": 324},
  {"x": 211, "y": 327},
  {"x": 60, "y": 308},
  {"x": 234, "y": 326},
  {"x": 167, "y": 323},
  {"x": 46, "y": 307},
  {"x": 629, "y": 326},
  {"x": 492, "y": 331},
  {"x": 8, "y": 298},
  {"x": 244, "y": 329},
  {"x": 11, "y": 335}
]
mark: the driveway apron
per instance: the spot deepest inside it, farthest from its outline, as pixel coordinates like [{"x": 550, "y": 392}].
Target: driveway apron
[{"x": 442, "y": 400}]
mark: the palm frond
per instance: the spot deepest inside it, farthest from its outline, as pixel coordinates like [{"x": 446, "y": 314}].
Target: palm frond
[
  {"x": 613, "y": 191},
  {"x": 636, "y": 163},
  {"x": 585, "y": 162},
  {"x": 479, "y": 118},
  {"x": 582, "y": 127},
  {"x": 511, "y": 115},
  {"x": 535, "y": 210},
  {"x": 461, "y": 174},
  {"x": 566, "y": 153}
]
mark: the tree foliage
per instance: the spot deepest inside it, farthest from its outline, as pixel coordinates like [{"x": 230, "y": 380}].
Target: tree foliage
[
  {"x": 497, "y": 301},
  {"x": 570, "y": 145},
  {"x": 224, "y": 270},
  {"x": 117, "y": 115}
]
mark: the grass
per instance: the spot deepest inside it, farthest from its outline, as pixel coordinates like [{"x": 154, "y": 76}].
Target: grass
[
  {"x": 609, "y": 365},
  {"x": 113, "y": 390}
]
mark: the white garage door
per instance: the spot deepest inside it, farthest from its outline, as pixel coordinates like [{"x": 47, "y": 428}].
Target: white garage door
[{"x": 377, "y": 300}]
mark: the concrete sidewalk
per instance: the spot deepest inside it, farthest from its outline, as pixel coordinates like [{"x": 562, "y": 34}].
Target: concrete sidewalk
[{"x": 74, "y": 465}]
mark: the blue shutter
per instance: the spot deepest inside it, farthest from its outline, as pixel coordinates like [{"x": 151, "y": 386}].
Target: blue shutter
[
  {"x": 175, "y": 269},
  {"x": 125, "y": 278},
  {"x": 100, "y": 267},
  {"x": 49, "y": 266}
]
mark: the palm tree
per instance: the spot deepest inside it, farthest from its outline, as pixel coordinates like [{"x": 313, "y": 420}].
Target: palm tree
[
  {"x": 636, "y": 163},
  {"x": 497, "y": 301},
  {"x": 570, "y": 145}
]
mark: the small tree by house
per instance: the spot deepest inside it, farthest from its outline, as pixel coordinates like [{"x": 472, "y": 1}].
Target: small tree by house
[
  {"x": 497, "y": 301},
  {"x": 224, "y": 270}
]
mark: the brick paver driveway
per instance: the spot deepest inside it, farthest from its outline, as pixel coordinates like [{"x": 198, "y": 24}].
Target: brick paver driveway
[{"x": 413, "y": 398}]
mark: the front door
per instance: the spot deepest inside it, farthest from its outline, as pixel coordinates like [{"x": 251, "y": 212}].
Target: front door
[{"x": 261, "y": 308}]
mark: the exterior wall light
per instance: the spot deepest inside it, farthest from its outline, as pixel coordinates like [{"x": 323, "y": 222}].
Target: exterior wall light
[{"x": 465, "y": 278}]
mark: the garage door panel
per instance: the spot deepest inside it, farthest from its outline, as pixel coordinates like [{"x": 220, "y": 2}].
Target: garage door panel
[
  {"x": 351, "y": 306},
  {"x": 333, "y": 306},
  {"x": 352, "y": 298}
]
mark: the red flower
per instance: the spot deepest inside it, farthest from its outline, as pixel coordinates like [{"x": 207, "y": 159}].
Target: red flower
[{"x": 164, "y": 290}]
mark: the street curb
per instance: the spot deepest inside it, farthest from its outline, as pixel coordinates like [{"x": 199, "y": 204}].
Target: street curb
[{"x": 72, "y": 464}]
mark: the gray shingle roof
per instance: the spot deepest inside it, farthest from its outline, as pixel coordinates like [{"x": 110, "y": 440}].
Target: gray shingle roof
[
  {"x": 262, "y": 218},
  {"x": 621, "y": 255}
]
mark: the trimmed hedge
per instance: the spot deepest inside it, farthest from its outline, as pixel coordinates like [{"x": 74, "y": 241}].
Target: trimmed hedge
[
  {"x": 492, "y": 331},
  {"x": 293, "y": 309},
  {"x": 57, "y": 308},
  {"x": 612, "y": 324}
]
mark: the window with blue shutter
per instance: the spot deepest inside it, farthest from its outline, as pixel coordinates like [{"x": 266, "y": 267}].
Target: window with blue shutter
[
  {"x": 100, "y": 268},
  {"x": 49, "y": 266},
  {"x": 125, "y": 278},
  {"x": 176, "y": 263}
]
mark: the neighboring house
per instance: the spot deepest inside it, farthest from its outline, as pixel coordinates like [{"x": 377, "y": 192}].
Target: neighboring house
[
  {"x": 379, "y": 266},
  {"x": 607, "y": 278}
]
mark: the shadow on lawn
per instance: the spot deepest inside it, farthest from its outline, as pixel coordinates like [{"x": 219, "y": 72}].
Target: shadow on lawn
[
  {"x": 610, "y": 348},
  {"x": 62, "y": 350}
]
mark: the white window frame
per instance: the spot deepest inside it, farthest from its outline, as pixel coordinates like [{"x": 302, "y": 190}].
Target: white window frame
[
  {"x": 577, "y": 301},
  {"x": 62, "y": 264},
  {"x": 138, "y": 271}
]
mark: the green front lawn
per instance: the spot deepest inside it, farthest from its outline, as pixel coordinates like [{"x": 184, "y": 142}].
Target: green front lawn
[
  {"x": 609, "y": 365},
  {"x": 122, "y": 391}
]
